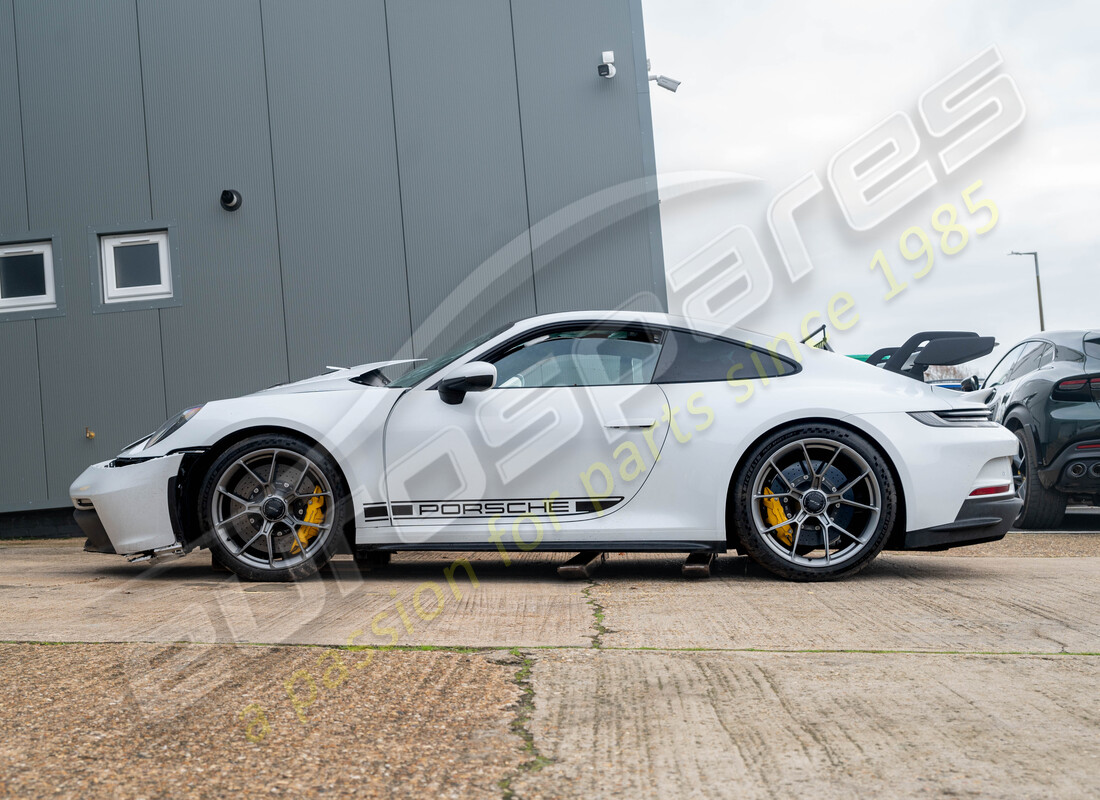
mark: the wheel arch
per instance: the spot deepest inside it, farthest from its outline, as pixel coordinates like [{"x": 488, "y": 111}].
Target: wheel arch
[
  {"x": 899, "y": 518},
  {"x": 195, "y": 467},
  {"x": 1018, "y": 418}
]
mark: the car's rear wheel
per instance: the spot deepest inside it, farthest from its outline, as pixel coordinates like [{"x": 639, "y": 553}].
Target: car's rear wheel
[
  {"x": 273, "y": 508},
  {"x": 1043, "y": 508},
  {"x": 814, "y": 502}
]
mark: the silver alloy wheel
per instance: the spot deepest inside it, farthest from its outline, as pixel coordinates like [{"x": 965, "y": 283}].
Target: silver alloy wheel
[
  {"x": 263, "y": 508},
  {"x": 830, "y": 497}
]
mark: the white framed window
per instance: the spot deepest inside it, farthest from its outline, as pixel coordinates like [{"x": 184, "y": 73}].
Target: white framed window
[
  {"x": 26, "y": 277},
  {"x": 136, "y": 266}
]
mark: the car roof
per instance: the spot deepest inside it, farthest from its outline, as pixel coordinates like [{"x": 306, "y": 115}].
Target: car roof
[
  {"x": 645, "y": 318},
  {"x": 1065, "y": 337}
]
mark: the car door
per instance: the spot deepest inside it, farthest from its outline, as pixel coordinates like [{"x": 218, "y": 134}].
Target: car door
[
  {"x": 550, "y": 442},
  {"x": 1021, "y": 360}
]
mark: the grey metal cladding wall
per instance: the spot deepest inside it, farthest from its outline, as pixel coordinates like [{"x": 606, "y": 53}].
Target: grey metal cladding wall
[
  {"x": 584, "y": 153},
  {"x": 22, "y": 465},
  {"x": 207, "y": 127},
  {"x": 84, "y": 143},
  {"x": 460, "y": 157},
  {"x": 13, "y": 198},
  {"x": 332, "y": 135}
]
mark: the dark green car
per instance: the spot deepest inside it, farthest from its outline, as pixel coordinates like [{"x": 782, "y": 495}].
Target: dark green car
[{"x": 1046, "y": 390}]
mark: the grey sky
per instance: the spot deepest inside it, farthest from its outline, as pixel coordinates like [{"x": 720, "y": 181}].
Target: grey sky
[{"x": 774, "y": 90}]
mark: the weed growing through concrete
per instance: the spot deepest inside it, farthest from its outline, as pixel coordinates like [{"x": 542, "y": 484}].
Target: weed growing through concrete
[
  {"x": 598, "y": 613},
  {"x": 525, "y": 709}
]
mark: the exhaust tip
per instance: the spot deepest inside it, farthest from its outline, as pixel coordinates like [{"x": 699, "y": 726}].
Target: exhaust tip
[
  {"x": 1077, "y": 469},
  {"x": 1094, "y": 470}
]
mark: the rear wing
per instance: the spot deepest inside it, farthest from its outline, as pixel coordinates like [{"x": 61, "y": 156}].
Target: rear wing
[
  {"x": 932, "y": 348},
  {"x": 820, "y": 344}
]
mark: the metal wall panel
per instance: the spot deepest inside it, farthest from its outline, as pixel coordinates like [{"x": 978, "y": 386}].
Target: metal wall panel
[
  {"x": 22, "y": 459},
  {"x": 207, "y": 126},
  {"x": 340, "y": 236},
  {"x": 461, "y": 166},
  {"x": 84, "y": 141},
  {"x": 584, "y": 150},
  {"x": 13, "y": 197}
]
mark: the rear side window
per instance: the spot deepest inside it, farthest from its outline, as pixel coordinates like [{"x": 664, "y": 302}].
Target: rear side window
[
  {"x": 694, "y": 358},
  {"x": 1092, "y": 344},
  {"x": 1029, "y": 360}
]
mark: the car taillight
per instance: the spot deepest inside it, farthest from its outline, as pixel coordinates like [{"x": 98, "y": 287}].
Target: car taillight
[{"x": 1077, "y": 389}]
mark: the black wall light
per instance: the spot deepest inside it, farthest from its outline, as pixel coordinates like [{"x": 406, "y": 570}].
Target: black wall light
[{"x": 231, "y": 199}]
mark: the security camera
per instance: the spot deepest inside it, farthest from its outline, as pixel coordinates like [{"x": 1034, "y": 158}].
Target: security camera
[
  {"x": 231, "y": 199},
  {"x": 607, "y": 68},
  {"x": 665, "y": 82}
]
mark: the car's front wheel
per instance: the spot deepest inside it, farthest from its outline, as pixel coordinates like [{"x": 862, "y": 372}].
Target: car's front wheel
[
  {"x": 273, "y": 508},
  {"x": 815, "y": 502}
]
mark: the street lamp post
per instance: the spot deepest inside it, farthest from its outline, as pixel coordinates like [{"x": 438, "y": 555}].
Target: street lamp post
[{"x": 1038, "y": 285}]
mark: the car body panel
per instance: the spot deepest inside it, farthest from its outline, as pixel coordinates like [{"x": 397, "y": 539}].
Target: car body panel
[{"x": 132, "y": 502}]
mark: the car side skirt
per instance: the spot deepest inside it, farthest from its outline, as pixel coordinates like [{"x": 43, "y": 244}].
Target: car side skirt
[{"x": 668, "y": 546}]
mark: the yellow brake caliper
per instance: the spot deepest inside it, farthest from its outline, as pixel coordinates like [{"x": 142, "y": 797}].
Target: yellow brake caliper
[
  {"x": 315, "y": 515},
  {"x": 775, "y": 514}
]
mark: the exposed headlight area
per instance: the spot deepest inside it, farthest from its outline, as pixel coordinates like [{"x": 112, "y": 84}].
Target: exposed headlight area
[
  {"x": 978, "y": 417},
  {"x": 172, "y": 425}
]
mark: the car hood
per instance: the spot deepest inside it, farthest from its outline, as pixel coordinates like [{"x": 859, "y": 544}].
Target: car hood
[{"x": 338, "y": 380}]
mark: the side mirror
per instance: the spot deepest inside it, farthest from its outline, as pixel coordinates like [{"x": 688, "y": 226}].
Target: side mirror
[
  {"x": 477, "y": 376},
  {"x": 971, "y": 384}
]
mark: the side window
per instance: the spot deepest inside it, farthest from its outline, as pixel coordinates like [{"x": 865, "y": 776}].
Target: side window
[
  {"x": 135, "y": 267},
  {"x": 1047, "y": 356},
  {"x": 580, "y": 357},
  {"x": 26, "y": 277},
  {"x": 1028, "y": 362},
  {"x": 693, "y": 358},
  {"x": 1000, "y": 372}
]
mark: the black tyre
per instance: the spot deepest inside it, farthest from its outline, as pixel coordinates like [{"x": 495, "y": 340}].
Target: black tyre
[
  {"x": 1043, "y": 508},
  {"x": 273, "y": 508},
  {"x": 815, "y": 502}
]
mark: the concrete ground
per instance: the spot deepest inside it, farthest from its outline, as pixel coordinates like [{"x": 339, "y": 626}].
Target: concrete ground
[{"x": 972, "y": 673}]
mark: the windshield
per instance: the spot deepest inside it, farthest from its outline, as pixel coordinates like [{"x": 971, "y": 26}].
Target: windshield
[{"x": 413, "y": 377}]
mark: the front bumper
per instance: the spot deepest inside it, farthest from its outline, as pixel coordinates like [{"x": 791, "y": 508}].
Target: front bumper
[
  {"x": 126, "y": 508},
  {"x": 979, "y": 520}
]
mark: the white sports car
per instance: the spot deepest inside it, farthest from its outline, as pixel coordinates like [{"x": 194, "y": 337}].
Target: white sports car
[{"x": 569, "y": 432}]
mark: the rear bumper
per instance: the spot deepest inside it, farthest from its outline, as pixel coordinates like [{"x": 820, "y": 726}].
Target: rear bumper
[
  {"x": 979, "y": 520},
  {"x": 126, "y": 507},
  {"x": 1058, "y": 475}
]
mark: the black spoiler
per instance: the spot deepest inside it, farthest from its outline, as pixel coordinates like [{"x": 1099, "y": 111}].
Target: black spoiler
[{"x": 933, "y": 348}]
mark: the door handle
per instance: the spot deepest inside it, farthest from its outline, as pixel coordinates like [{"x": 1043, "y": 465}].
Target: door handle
[{"x": 647, "y": 422}]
